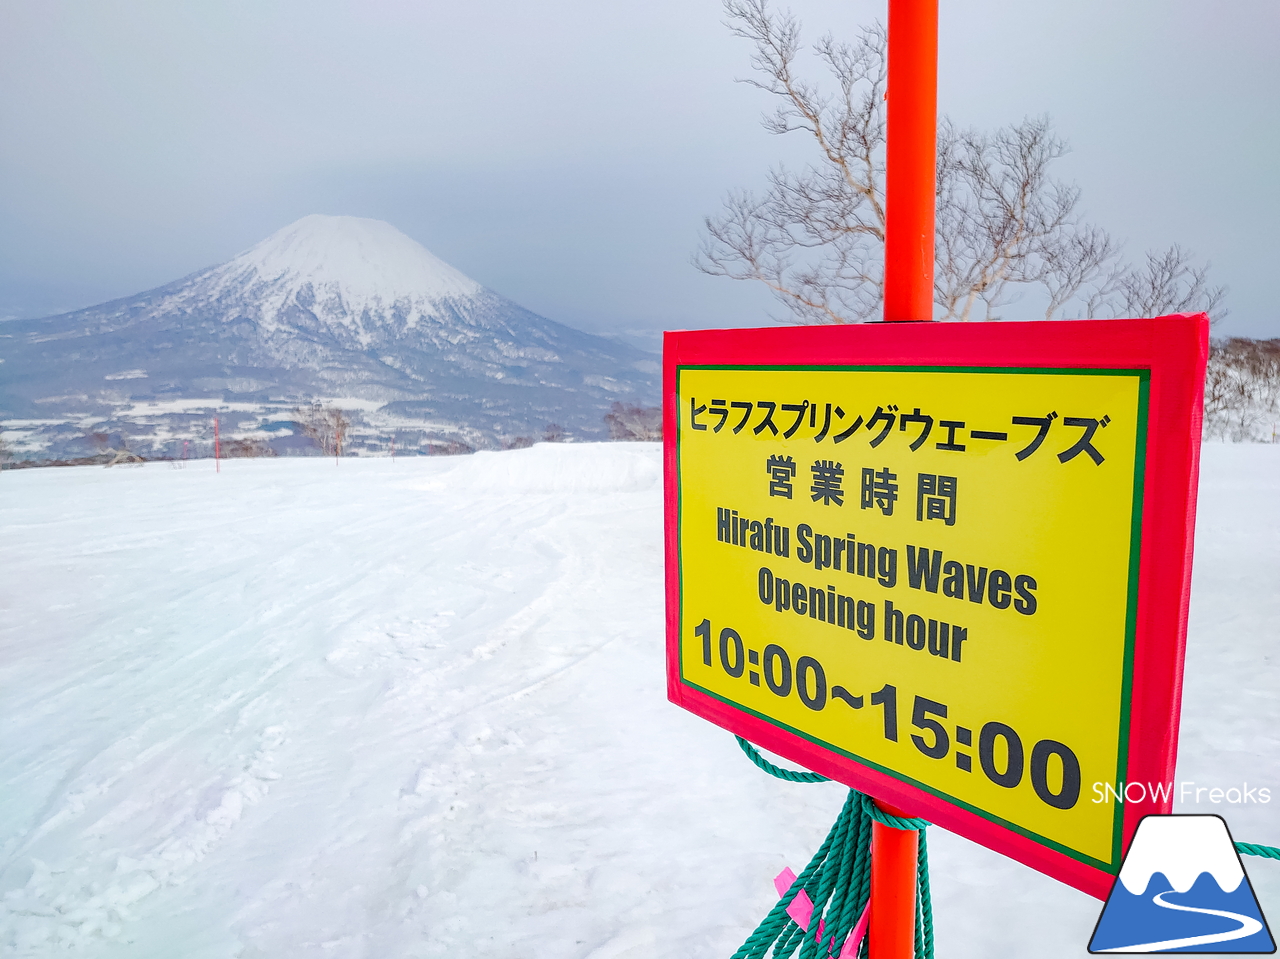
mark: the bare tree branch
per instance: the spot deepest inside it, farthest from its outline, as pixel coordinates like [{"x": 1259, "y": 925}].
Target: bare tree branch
[
  {"x": 1167, "y": 283},
  {"x": 1003, "y": 221},
  {"x": 1242, "y": 390},
  {"x": 815, "y": 237},
  {"x": 626, "y": 421},
  {"x": 325, "y": 426}
]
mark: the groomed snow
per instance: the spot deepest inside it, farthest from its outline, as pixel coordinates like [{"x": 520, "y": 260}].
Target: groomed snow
[{"x": 417, "y": 708}]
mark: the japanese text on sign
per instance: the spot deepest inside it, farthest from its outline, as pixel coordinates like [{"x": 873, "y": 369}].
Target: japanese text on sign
[{"x": 927, "y": 570}]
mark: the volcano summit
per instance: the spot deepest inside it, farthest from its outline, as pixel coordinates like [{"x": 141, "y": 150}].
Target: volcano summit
[{"x": 346, "y": 311}]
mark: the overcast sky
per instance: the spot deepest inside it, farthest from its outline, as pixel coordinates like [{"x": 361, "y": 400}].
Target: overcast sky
[{"x": 564, "y": 153}]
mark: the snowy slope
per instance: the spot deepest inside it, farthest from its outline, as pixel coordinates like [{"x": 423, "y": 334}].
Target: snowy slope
[
  {"x": 343, "y": 309},
  {"x": 416, "y": 708}
]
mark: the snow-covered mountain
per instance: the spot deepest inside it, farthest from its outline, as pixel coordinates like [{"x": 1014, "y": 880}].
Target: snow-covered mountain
[
  {"x": 1181, "y": 848},
  {"x": 344, "y": 310},
  {"x": 356, "y": 277}
]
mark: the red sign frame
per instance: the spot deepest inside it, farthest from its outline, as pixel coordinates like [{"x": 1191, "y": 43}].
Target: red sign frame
[{"x": 1174, "y": 351}]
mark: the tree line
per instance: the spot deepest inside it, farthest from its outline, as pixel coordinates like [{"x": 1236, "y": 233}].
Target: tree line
[{"x": 1242, "y": 390}]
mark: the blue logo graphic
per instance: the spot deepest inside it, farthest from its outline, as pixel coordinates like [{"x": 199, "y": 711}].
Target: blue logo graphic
[{"x": 1182, "y": 889}]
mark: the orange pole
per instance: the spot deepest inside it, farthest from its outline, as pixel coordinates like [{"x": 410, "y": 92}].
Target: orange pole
[
  {"x": 911, "y": 160},
  {"x": 910, "y": 198},
  {"x": 891, "y": 932}
]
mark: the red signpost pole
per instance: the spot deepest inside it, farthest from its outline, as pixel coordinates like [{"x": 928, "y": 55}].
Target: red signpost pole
[
  {"x": 912, "y": 150},
  {"x": 910, "y": 191},
  {"x": 891, "y": 932}
]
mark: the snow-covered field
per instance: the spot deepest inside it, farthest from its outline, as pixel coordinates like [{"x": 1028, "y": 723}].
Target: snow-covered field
[{"x": 416, "y": 708}]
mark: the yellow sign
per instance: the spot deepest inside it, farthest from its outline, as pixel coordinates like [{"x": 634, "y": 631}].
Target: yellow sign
[{"x": 930, "y": 571}]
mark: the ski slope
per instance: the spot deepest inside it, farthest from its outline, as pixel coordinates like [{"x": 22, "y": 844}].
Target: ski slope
[{"x": 416, "y": 708}]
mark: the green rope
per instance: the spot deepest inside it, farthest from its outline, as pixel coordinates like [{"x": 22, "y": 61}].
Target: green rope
[
  {"x": 1253, "y": 849},
  {"x": 840, "y": 875},
  {"x": 790, "y": 775},
  {"x": 897, "y": 822},
  {"x": 924, "y": 928},
  {"x": 837, "y": 880}
]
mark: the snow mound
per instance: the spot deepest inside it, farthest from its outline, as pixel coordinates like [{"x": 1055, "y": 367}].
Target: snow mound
[{"x": 557, "y": 468}]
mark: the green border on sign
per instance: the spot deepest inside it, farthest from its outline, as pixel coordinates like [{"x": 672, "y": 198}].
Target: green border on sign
[{"x": 1131, "y": 613}]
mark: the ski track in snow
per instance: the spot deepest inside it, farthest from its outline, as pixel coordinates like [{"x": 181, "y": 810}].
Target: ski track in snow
[
  {"x": 1248, "y": 926},
  {"x": 417, "y": 708}
]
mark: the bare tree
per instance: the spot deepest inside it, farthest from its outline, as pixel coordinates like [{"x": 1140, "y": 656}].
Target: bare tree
[
  {"x": 123, "y": 457},
  {"x": 246, "y": 448},
  {"x": 6, "y": 453},
  {"x": 109, "y": 455},
  {"x": 554, "y": 433},
  {"x": 815, "y": 237},
  {"x": 626, "y": 421},
  {"x": 1003, "y": 222},
  {"x": 326, "y": 426},
  {"x": 1242, "y": 390},
  {"x": 1167, "y": 283},
  {"x": 449, "y": 448}
]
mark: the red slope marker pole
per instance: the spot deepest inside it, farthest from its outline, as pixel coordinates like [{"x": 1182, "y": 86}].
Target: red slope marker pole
[
  {"x": 911, "y": 160},
  {"x": 217, "y": 448},
  {"x": 910, "y": 191}
]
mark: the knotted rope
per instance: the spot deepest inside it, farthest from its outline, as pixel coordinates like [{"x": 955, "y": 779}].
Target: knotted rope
[{"x": 837, "y": 880}]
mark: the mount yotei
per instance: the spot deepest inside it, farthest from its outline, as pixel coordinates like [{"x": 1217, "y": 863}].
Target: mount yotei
[{"x": 344, "y": 311}]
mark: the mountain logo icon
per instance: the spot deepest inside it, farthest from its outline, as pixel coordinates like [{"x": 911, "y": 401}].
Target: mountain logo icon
[{"x": 1182, "y": 888}]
